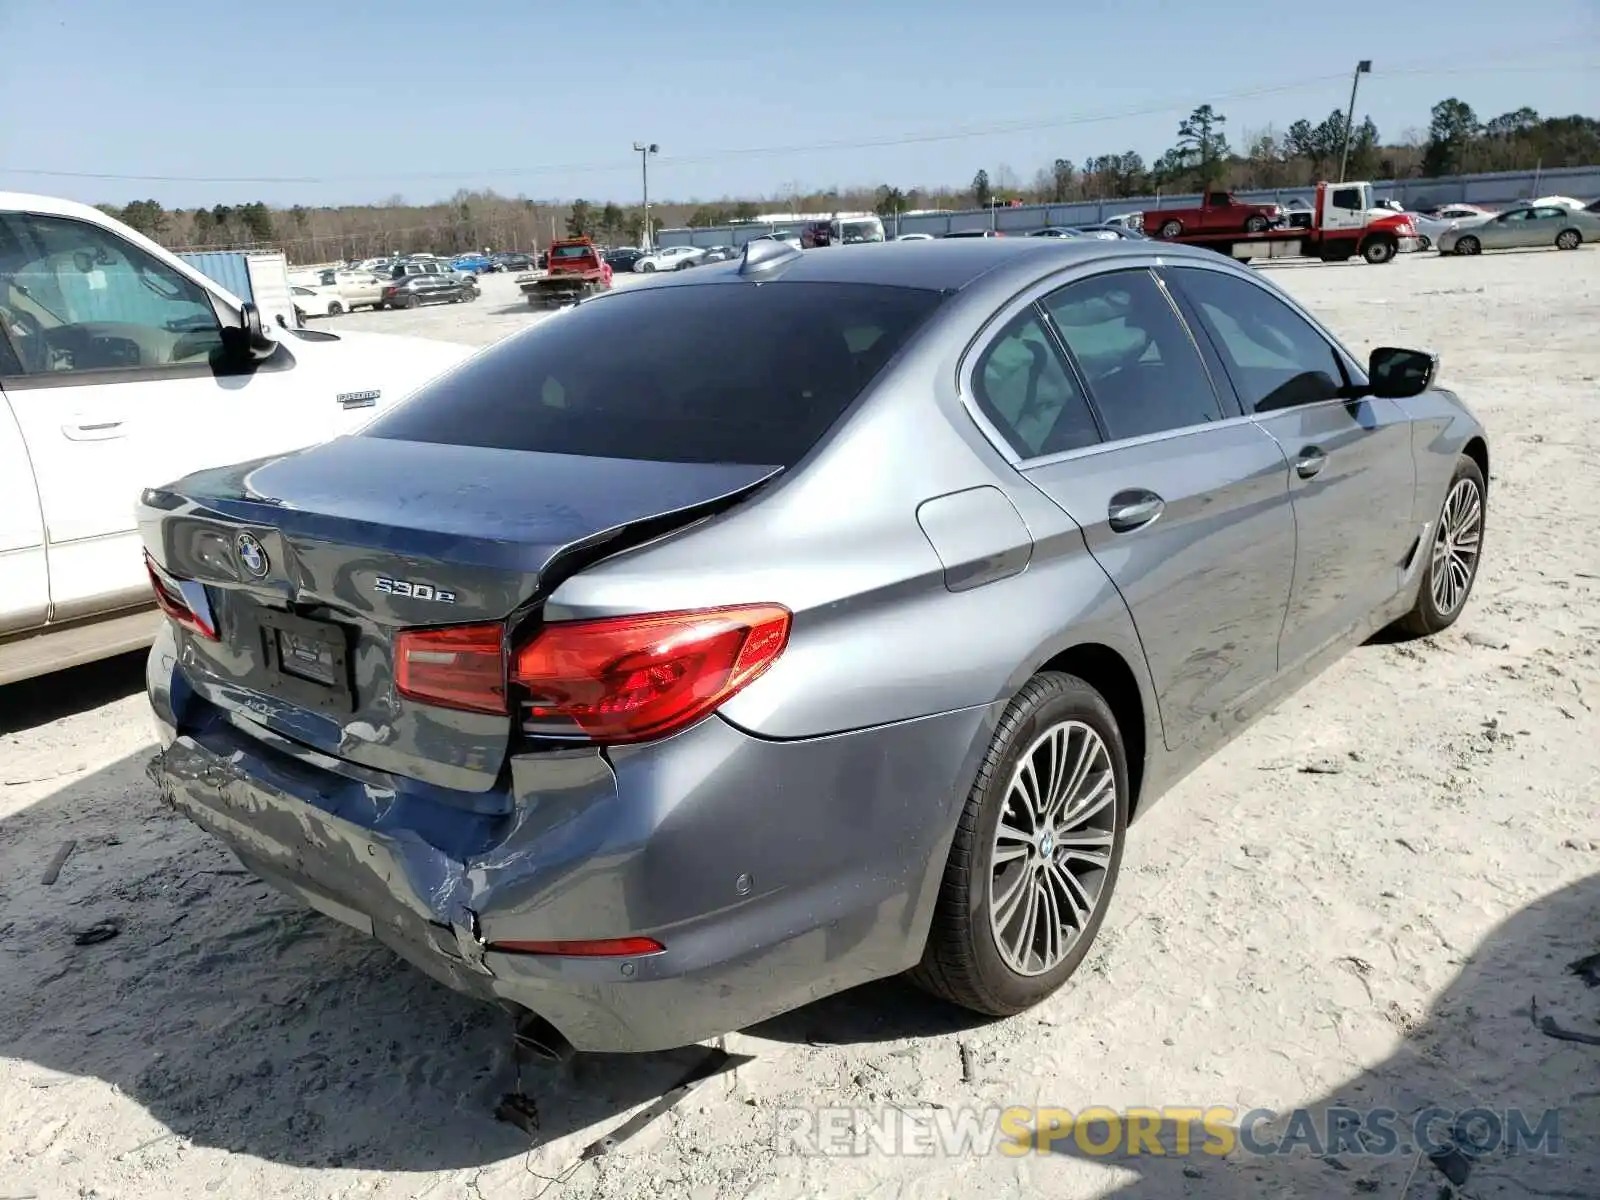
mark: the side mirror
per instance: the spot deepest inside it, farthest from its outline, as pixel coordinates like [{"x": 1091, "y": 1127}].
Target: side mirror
[
  {"x": 1397, "y": 373},
  {"x": 255, "y": 341}
]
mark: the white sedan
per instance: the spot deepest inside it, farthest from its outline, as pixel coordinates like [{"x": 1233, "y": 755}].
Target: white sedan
[
  {"x": 1431, "y": 226},
  {"x": 672, "y": 258},
  {"x": 316, "y": 302}
]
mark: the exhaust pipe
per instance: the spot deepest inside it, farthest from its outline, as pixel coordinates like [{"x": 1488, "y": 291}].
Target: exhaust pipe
[{"x": 536, "y": 1038}]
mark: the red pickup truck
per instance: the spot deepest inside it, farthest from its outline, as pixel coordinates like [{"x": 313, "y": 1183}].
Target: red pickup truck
[
  {"x": 1219, "y": 212},
  {"x": 576, "y": 269}
]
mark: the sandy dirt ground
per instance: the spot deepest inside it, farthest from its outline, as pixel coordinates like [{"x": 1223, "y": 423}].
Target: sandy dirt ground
[{"x": 1371, "y": 899}]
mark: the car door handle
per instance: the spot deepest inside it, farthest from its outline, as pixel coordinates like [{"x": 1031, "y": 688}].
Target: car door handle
[
  {"x": 1310, "y": 461},
  {"x": 93, "y": 431},
  {"x": 1133, "y": 509}
]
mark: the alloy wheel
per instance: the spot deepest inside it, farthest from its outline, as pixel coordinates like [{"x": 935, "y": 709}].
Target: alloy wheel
[
  {"x": 1052, "y": 847},
  {"x": 1456, "y": 545}
]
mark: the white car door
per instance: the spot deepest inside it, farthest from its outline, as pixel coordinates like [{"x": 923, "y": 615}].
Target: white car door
[
  {"x": 122, "y": 384},
  {"x": 24, "y": 585}
]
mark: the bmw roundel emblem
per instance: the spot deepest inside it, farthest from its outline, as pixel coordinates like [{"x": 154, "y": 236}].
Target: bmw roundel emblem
[{"x": 251, "y": 555}]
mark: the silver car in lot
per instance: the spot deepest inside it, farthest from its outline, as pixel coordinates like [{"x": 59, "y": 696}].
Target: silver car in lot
[
  {"x": 794, "y": 622},
  {"x": 1523, "y": 227}
]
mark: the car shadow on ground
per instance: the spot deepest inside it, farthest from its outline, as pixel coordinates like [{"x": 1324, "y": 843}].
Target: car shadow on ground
[
  {"x": 243, "y": 1021},
  {"x": 1517, "y": 1029},
  {"x": 240, "y": 1020},
  {"x": 35, "y": 702}
]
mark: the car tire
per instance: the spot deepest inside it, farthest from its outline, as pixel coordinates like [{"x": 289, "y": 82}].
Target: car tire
[
  {"x": 1462, "y": 518},
  {"x": 300, "y": 315},
  {"x": 1171, "y": 229},
  {"x": 335, "y": 309},
  {"x": 974, "y": 948},
  {"x": 1569, "y": 239},
  {"x": 1468, "y": 245},
  {"x": 647, "y": 269},
  {"x": 1256, "y": 224},
  {"x": 1424, "y": 242},
  {"x": 378, "y": 307},
  {"x": 1379, "y": 250}
]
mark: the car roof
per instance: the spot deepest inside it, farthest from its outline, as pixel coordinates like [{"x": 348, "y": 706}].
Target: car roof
[{"x": 939, "y": 265}]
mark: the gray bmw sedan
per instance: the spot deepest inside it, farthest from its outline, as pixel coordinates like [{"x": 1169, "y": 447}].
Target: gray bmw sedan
[{"x": 731, "y": 640}]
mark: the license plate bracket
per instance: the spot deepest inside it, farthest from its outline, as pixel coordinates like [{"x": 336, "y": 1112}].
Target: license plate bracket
[{"x": 307, "y": 661}]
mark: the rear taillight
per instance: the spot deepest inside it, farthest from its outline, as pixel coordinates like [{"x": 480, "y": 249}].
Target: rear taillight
[
  {"x": 628, "y": 947},
  {"x": 462, "y": 666},
  {"x": 628, "y": 679},
  {"x": 390, "y": 291},
  {"x": 182, "y": 600}
]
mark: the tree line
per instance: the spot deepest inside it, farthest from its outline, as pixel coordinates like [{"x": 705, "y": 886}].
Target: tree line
[{"x": 1455, "y": 142}]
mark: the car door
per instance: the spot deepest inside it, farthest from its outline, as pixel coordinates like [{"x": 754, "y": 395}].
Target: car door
[
  {"x": 116, "y": 390},
  {"x": 24, "y": 583},
  {"x": 1182, "y": 502},
  {"x": 1352, "y": 477},
  {"x": 1544, "y": 223},
  {"x": 1505, "y": 232}
]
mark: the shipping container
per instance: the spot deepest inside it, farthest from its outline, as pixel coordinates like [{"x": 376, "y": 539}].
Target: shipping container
[{"x": 260, "y": 276}]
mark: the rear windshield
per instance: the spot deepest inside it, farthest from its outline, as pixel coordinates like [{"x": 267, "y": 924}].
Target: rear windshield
[
  {"x": 714, "y": 373},
  {"x": 572, "y": 251}
]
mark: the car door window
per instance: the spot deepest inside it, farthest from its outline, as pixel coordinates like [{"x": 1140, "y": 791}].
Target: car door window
[
  {"x": 77, "y": 298},
  {"x": 1349, "y": 198},
  {"x": 1275, "y": 357},
  {"x": 1144, "y": 373},
  {"x": 1022, "y": 385}
]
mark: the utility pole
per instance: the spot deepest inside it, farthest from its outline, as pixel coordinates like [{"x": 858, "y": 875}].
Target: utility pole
[
  {"x": 644, "y": 150},
  {"x": 1364, "y": 67}
]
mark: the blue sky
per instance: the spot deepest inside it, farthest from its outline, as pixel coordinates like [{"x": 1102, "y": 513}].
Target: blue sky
[{"x": 420, "y": 97}]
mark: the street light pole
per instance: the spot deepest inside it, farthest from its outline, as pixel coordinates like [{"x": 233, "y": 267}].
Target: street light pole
[
  {"x": 1364, "y": 67},
  {"x": 645, "y": 150}
]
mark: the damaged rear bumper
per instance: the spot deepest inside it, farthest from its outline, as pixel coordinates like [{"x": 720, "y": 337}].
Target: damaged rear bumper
[{"x": 773, "y": 872}]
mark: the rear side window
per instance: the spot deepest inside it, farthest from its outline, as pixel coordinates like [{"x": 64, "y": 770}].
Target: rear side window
[
  {"x": 1142, "y": 368},
  {"x": 724, "y": 373},
  {"x": 1023, "y": 387}
]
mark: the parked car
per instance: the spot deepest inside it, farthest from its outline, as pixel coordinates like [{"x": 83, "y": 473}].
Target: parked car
[
  {"x": 716, "y": 254},
  {"x": 1054, "y": 231},
  {"x": 672, "y": 258},
  {"x": 355, "y": 288},
  {"x": 1298, "y": 213},
  {"x": 973, "y": 233},
  {"x": 1522, "y": 227},
  {"x": 1111, "y": 233},
  {"x": 1430, "y": 225},
  {"x": 915, "y": 237},
  {"x": 624, "y": 258},
  {"x": 647, "y": 673},
  {"x": 511, "y": 260},
  {"x": 316, "y": 302},
  {"x": 476, "y": 264},
  {"x": 123, "y": 366},
  {"x": 415, "y": 290},
  {"x": 792, "y": 240}
]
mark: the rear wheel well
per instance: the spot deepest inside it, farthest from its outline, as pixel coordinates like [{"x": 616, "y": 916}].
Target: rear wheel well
[
  {"x": 1104, "y": 670},
  {"x": 1478, "y": 451}
]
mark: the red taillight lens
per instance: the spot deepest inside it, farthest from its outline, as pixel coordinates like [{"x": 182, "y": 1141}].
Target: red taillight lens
[
  {"x": 458, "y": 667},
  {"x": 608, "y": 948},
  {"x": 628, "y": 679},
  {"x": 170, "y": 599}
]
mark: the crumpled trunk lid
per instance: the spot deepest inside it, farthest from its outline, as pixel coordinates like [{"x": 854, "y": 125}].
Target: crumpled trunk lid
[{"x": 312, "y": 563}]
